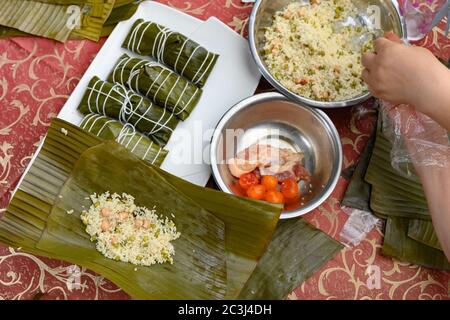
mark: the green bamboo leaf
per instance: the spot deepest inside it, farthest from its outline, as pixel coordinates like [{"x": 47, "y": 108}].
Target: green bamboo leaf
[
  {"x": 185, "y": 56},
  {"x": 92, "y": 25},
  {"x": 423, "y": 231},
  {"x": 357, "y": 194},
  {"x": 398, "y": 245},
  {"x": 249, "y": 224},
  {"x": 296, "y": 251},
  {"x": 43, "y": 19},
  {"x": 248, "y": 230}
]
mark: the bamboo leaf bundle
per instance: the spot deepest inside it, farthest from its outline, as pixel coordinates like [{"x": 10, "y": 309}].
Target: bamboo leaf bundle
[
  {"x": 185, "y": 56},
  {"x": 115, "y": 101},
  {"x": 158, "y": 83},
  {"x": 110, "y": 129}
]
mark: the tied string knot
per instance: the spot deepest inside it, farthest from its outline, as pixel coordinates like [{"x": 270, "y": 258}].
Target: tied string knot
[
  {"x": 128, "y": 131},
  {"x": 159, "y": 45},
  {"x": 128, "y": 109}
]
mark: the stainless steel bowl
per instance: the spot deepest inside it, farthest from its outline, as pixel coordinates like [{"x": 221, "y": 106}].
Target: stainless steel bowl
[
  {"x": 262, "y": 15},
  {"x": 273, "y": 117}
]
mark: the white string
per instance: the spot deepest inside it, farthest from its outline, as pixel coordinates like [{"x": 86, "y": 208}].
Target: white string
[
  {"x": 127, "y": 109},
  {"x": 127, "y": 130},
  {"x": 135, "y": 74},
  {"x": 159, "y": 46}
]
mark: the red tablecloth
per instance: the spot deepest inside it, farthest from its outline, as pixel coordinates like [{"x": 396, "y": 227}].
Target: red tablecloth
[{"x": 37, "y": 76}]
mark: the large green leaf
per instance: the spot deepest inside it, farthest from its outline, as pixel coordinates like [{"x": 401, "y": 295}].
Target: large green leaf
[
  {"x": 51, "y": 21},
  {"x": 92, "y": 25},
  {"x": 398, "y": 245},
  {"x": 423, "y": 231},
  {"x": 357, "y": 194},
  {"x": 199, "y": 268},
  {"x": 249, "y": 224},
  {"x": 296, "y": 251},
  {"x": 248, "y": 230}
]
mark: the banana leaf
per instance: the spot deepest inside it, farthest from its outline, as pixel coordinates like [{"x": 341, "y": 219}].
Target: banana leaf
[
  {"x": 392, "y": 193},
  {"x": 92, "y": 25},
  {"x": 423, "y": 231},
  {"x": 158, "y": 83},
  {"x": 122, "y": 10},
  {"x": 244, "y": 244},
  {"x": 115, "y": 101},
  {"x": 388, "y": 204},
  {"x": 110, "y": 129},
  {"x": 199, "y": 268},
  {"x": 186, "y": 57},
  {"x": 357, "y": 195},
  {"x": 296, "y": 251},
  {"x": 38, "y": 18},
  {"x": 398, "y": 245},
  {"x": 249, "y": 224},
  {"x": 94, "y": 7}
]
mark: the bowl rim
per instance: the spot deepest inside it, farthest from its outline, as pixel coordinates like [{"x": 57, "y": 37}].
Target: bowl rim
[
  {"x": 293, "y": 96},
  {"x": 249, "y": 101}
]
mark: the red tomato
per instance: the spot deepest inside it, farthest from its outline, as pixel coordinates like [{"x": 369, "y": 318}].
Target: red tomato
[
  {"x": 247, "y": 180},
  {"x": 289, "y": 189},
  {"x": 256, "y": 192},
  {"x": 270, "y": 182},
  {"x": 274, "y": 196}
]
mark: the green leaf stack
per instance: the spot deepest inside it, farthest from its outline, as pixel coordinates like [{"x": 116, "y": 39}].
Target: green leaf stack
[{"x": 222, "y": 252}]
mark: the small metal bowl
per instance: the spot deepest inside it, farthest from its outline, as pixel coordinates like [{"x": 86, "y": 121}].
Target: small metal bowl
[
  {"x": 262, "y": 17},
  {"x": 271, "y": 117}
]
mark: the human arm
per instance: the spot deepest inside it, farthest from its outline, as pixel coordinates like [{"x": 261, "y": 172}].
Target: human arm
[{"x": 411, "y": 75}]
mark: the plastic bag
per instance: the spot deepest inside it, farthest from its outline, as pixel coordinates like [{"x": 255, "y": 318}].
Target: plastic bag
[
  {"x": 357, "y": 226},
  {"x": 417, "y": 140}
]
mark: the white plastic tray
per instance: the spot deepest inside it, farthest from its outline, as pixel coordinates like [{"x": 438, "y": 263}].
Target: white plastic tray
[{"x": 234, "y": 78}]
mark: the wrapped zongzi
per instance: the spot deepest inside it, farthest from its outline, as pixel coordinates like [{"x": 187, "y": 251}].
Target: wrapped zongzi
[
  {"x": 115, "y": 101},
  {"x": 157, "y": 82},
  {"x": 185, "y": 56},
  {"x": 110, "y": 129}
]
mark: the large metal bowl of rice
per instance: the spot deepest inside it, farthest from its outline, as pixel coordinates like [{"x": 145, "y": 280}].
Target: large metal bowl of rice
[{"x": 310, "y": 50}]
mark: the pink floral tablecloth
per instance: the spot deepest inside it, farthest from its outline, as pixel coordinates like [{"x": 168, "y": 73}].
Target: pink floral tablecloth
[{"x": 37, "y": 76}]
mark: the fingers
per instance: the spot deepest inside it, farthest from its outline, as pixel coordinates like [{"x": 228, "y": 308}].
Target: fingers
[
  {"x": 368, "y": 60},
  {"x": 392, "y": 36},
  {"x": 380, "y": 44},
  {"x": 365, "y": 75}
]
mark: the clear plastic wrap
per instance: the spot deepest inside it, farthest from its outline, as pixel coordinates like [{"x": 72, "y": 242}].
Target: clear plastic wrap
[
  {"x": 357, "y": 226},
  {"x": 417, "y": 140}
]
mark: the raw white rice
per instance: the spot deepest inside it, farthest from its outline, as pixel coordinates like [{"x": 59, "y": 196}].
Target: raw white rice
[
  {"x": 125, "y": 232},
  {"x": 309, "y": 56}
]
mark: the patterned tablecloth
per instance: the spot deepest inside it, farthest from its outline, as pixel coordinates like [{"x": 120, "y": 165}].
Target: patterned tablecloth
[{"x": 37, "y": 76}]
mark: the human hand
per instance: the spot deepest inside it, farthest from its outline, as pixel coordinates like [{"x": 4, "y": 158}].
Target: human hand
[{"x": 405, "y": 74}]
